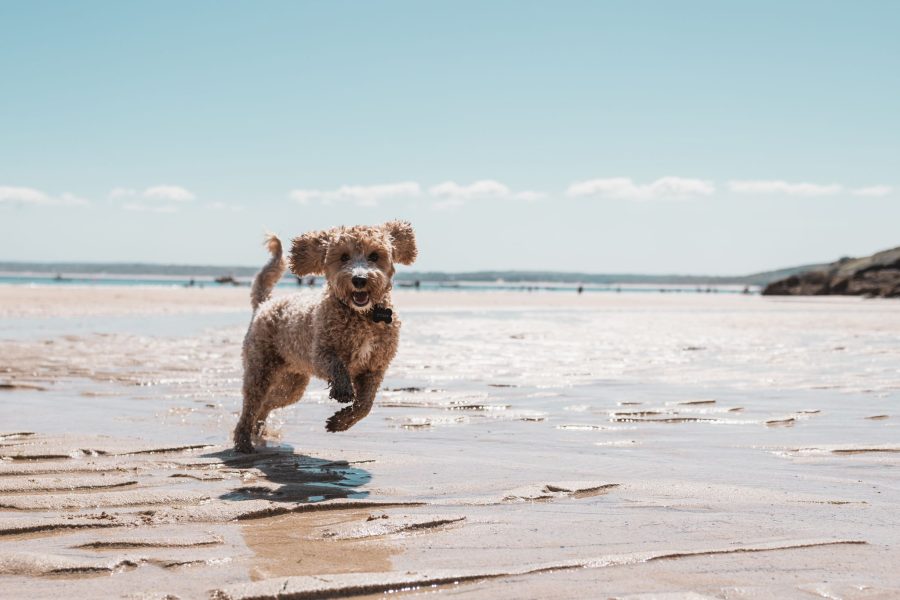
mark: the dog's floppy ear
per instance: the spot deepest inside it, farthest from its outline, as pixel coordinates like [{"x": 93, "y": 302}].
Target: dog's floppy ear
[
  {"x": 403, "y": 240},
  {"x": 308, "y": 253}
]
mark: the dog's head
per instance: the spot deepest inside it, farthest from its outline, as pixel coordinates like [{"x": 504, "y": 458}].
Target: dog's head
[{"x": 358, "y": 262}]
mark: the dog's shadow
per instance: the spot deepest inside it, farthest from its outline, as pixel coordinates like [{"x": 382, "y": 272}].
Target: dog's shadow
[{"x": 298, "y": 478}]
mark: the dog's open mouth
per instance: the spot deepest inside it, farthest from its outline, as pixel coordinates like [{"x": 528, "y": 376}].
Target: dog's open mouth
[{"x": 360, "y": 298}]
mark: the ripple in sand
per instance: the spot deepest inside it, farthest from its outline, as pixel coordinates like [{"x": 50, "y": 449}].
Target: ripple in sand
[
  {"x": 592, "y": 427},
  {"x": 840, "y": 450},
  {"x": 9, "y": 386},
  {"x": 16, "y": 435},
  {"x": 36, "y": 564},
  {"x": 668, "y": 420},
  {"x": 102, "y": 500},
  {"x": 65, "y": 447},
  {"x": 391, "y": 525},
  {"x": 477, "y": 407},
  {"x": 56, "y": 484},
  {"x": 22, "y": 526},
  {"x": 416, "y": 423},
  {"x": 557, "y": 491},
  {"x": 639, "y": 413},
  {"x": 148, "y": 541},
  {"x": 617, "y": 443}
]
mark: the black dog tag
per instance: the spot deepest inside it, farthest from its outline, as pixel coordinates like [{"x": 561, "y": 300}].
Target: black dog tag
[{"x": 382, "y": 314}]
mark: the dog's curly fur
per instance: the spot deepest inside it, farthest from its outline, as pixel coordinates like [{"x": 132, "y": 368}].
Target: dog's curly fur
[{"x": 333, "y": 337}]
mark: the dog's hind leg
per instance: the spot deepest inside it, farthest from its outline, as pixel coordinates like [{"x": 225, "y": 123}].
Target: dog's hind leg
[
  {"x": 287, "y": 387},
  {"x": 366, "y": 385},
  {"x": 259, "y": 373}
]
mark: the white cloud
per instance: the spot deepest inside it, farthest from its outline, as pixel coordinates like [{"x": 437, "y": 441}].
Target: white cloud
[
  {"x": 875, "y": 191},
  {"x": 480, "y": 189},
  {"x": 362, "y": 195},
  {"x": 446, "y": 194},
  {"x": 784, "y": 187},
  {"x": 22, "y": 195},
  {"x": 149, "y": 199},
  {"x": 169, "y": 192},
  {"x": 671, "y": 188},
  {"x": 451, "y": 194},
  {"x": 26, "y": 195}
]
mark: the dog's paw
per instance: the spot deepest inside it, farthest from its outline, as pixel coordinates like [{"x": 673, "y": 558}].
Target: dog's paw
[
  {"x": 243, "y": 442},
  {"x": 244, "y": 447},
  {"x": 341, "y": 393},
  {"x": 342, "y": 420}
]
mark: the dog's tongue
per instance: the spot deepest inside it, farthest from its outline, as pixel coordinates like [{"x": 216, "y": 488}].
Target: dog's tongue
[{"x": 360, "y": 298}]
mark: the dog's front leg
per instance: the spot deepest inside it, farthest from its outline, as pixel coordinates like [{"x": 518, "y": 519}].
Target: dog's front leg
[
  {"x": 340, "y": 388},
  {"x": 366, "y": 387}
]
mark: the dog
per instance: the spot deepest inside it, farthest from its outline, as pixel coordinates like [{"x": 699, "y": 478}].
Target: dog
[{"x": 347, "y": 337}]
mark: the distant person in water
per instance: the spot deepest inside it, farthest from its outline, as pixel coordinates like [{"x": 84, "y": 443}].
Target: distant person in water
[{"x": 580, "y": 289}]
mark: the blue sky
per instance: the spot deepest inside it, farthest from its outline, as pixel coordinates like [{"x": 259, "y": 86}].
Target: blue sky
[{"x": 636, "y": 136}]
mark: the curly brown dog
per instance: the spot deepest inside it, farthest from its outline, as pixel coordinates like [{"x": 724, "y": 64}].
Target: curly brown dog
[{"x": 347, "y": 337}]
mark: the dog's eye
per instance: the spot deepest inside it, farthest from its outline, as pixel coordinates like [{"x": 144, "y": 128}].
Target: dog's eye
[
  {"x": 345, "y": 257},
  {"x": 373, "y": 257}
]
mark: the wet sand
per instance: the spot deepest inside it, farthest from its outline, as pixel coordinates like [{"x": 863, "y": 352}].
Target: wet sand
[{"x": 525, "y": 446}]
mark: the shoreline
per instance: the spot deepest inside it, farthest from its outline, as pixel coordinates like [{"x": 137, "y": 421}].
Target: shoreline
[{"x": 67, "y": 301}]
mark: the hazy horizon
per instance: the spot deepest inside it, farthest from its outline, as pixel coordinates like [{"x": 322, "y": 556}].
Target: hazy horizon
[{"x": 405, "y": 272}]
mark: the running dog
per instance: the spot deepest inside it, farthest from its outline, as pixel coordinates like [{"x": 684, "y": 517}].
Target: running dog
[{"x": 347, "y": 336}]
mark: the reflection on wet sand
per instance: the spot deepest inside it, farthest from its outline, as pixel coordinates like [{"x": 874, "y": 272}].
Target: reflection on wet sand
[{"x": 292, "y": 545}]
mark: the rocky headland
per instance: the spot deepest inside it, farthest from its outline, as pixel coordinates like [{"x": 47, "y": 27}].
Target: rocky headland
[{"x": 876, "y": 276}]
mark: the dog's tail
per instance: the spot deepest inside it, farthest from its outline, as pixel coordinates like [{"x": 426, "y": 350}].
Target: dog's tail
[{"x": 270, "y": 274}]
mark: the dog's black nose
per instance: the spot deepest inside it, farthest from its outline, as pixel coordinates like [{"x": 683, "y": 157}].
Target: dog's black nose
[{"x": 358, "y": 282}]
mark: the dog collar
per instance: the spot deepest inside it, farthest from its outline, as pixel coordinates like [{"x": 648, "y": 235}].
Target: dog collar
[{"x": 382, "y": 314}]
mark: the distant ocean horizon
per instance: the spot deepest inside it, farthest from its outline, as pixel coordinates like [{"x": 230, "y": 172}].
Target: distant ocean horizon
[
  {"x": 149, "y": 274},
  {"x": 290, "y": 281}
]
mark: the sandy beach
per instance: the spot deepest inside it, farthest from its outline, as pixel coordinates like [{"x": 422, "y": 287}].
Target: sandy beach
[{"x": 634, "y": 445}]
